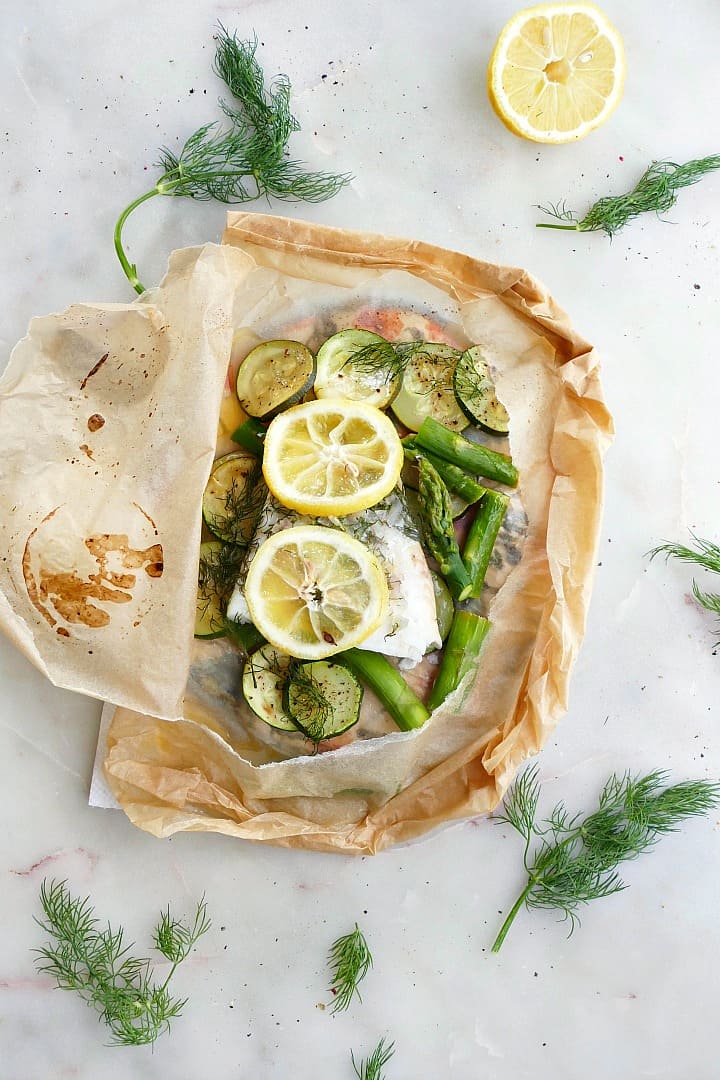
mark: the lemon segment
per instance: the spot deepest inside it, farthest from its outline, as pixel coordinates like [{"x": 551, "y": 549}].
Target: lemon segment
[
  {"x": 331, "y": 457},
  {"x": 314, "y": 591},
  {"x": 556, "y": 72}
]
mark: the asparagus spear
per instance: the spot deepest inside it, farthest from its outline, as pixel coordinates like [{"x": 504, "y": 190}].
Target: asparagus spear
[
  {"x": 462, "y": 649},
  {"x": 438, "y": 531},
  {"x": 481, "y": 537},
  {"x": 245, "y": 635},
  {"x": 454, "y": 478},
  {"x": 250, "y": 435},
  {"x": 378, "y": 673},
  {"x": 459, "y": 451}
]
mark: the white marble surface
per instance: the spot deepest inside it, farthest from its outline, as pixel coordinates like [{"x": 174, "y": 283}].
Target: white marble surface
[{"x": 89, "y": 91}]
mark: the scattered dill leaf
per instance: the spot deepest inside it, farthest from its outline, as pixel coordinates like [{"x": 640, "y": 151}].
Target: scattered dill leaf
[
  {"x": 242, "y": 502},
  {"x": 218, "y": 570},
  {"x": 370, "y": 1068},
  {"x": 706, "y": 555},
  {"x": 386, "y": 360},
  {"x": 656, "y": 191},
  {"x": 576, "y": 859},
  {"x": 243, "y": 160},
  {"x": 308, "y": 707},
  {"x": 349, "y": 960},
  {"x": 96, "y": 963}
]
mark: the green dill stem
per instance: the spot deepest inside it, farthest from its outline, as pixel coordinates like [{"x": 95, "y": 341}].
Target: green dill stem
[
  {"x": 129, "y": 268},
  {"x": 373, "y": 669},
  {"x": 481, "y": 538},
  {"x": 548, "y": 225},
  {"x": 462, "y": 648},
  {"x": 476, "y": 459},
  {"x": 497, "y": 943}
]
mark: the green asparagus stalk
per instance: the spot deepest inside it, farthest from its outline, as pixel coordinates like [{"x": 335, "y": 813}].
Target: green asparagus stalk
[
  {"x": 476, "y": 459},
  {"x": 438, "y": 531},
  {"x": 376, "y": 672},
  {"x": 454, "y": 478},
  {"x": 481, "y": 537},
  {"x": 250, "y": 436},
  {"x": 462, "y": 648}
]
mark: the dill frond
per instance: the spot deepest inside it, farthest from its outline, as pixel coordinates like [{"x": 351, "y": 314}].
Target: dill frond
[
  {"x": 371, "y": 1068},
  {"x": 349, "y": 960},
  {"x": 656, "y": 192},
  {"x": 576, "y": 859},
  {"x": 95, "y": 962},
  {"x": 705, "y": 554},
  {"x": 245, "y": 159}
]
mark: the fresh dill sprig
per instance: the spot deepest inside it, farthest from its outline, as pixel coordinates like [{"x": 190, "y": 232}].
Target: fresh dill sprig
[
  {"x": 655, "y": 192},
  {"x": 349, "y": 960},
  {"x": 576, "y": 859},
  {"x": 244, "y": 160},
  {"x": 371, "y": 1068},
  {"x": 386, "y": 360},
  {"x": 96, "y": 963},
  {"x": 704, "y": 554},
  {"x": 242, "y": 502},
  {"x": 218, "y": 571},
  {"x": 311, "y": 710}
]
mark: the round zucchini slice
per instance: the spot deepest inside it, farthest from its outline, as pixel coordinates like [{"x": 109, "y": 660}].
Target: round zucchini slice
[
  {"x": 273, "y": 376},
  {"x": 209, "y": 617},
  {"x": 475, "y": 392},
  {"x": 427, "y": 389},
  {"x": 375, "y": 378},
  {"x": 233, "y": 497},
  {"x": 323, "y": 699},
  {"x": 263, "y": 680}
]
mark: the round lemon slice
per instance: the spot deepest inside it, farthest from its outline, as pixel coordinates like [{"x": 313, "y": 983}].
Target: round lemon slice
[
  {"x": 331, "y": 457},
  {"x": 556, "y": 72},
  {"x": 314, "y": 591}
]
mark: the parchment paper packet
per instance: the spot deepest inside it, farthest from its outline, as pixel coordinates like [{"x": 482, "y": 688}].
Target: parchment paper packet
[
  {"x": 197, "y": 773},
  {"x": 379, "y": 791}
]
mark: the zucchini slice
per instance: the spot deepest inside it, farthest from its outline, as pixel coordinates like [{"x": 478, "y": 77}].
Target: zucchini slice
[
  {"x": 233, "y": 497},
  {"x": 475, "y": 393},
  {"x": 323, "y": 699},
  {"x": 273, "y": 376},
  {"x": 263, "y": 679},
  {"x": 444, "y": 606},
  {"x": 209, "y": 618},
  {"x": 376, "y": 378},
  {"x": 427, "y": 389}
]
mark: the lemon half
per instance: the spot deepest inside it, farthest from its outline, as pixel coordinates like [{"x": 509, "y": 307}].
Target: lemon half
[{"x": 556, "y": 72}]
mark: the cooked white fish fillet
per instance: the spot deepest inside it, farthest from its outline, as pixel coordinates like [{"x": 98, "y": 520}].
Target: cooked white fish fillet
[{"x": 388, "y": 530}]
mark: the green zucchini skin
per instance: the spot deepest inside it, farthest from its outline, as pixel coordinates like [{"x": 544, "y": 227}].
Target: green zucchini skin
[
  {"x": 209, "y": 617},
  {"x": 323, "y": 699},
  {"x": 426, "y": 389},
  {"x": 263, "y": 683},
  {"x": 273, "y": 376},
  {"x": 336, "y": 377},
  {"x": 475, "y": 393}
]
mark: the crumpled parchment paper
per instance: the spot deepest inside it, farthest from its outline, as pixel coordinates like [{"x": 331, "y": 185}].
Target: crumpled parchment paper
[{"x": 97, "y": 584}]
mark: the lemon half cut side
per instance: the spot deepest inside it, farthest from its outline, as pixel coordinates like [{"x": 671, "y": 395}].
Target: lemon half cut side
[
  {"x": 556, "y": 72},
  {"x": 313, "y": 591}
]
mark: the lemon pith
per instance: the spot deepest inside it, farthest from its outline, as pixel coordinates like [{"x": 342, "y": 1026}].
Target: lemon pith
[{"x": 556, "y": 72}]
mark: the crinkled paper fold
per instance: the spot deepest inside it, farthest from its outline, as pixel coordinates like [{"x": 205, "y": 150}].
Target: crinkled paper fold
[{"x": 108, "y": 422}]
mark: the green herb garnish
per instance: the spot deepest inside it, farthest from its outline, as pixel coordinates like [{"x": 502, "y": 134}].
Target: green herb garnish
[
  {"x": 370, "y": 1068},
  {"x": 96, "y": 963},
  {"x": 349, "y": 960},
  {"x": 656, "y": 191},
  {"x": 245, "y": 160},
  {"x": 706, "y": 555},
  {"x": 576, "y": 859},
  {"x": 386, "y": 360}
]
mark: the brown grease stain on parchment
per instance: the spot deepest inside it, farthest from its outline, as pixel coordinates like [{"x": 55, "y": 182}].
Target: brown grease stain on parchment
[
  {"x": 69, "y": 595},
  {"x": 93, "y": 371}
]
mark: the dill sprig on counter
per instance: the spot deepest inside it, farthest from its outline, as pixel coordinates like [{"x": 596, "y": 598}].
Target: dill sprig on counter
[
  {"x": 349, "y": 960},
  {"x": 706, "y": 555},
  {"x": 655, "y": 192},
  {"x": 371, "y": 1068},
  {"x": 575, "y": 859},
  {"x": 96, "y": 963},
  {"x": 244, "y": 160}
]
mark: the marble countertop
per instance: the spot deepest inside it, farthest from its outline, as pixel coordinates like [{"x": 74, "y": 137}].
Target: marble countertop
[{"x": 394, "y": 94}]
